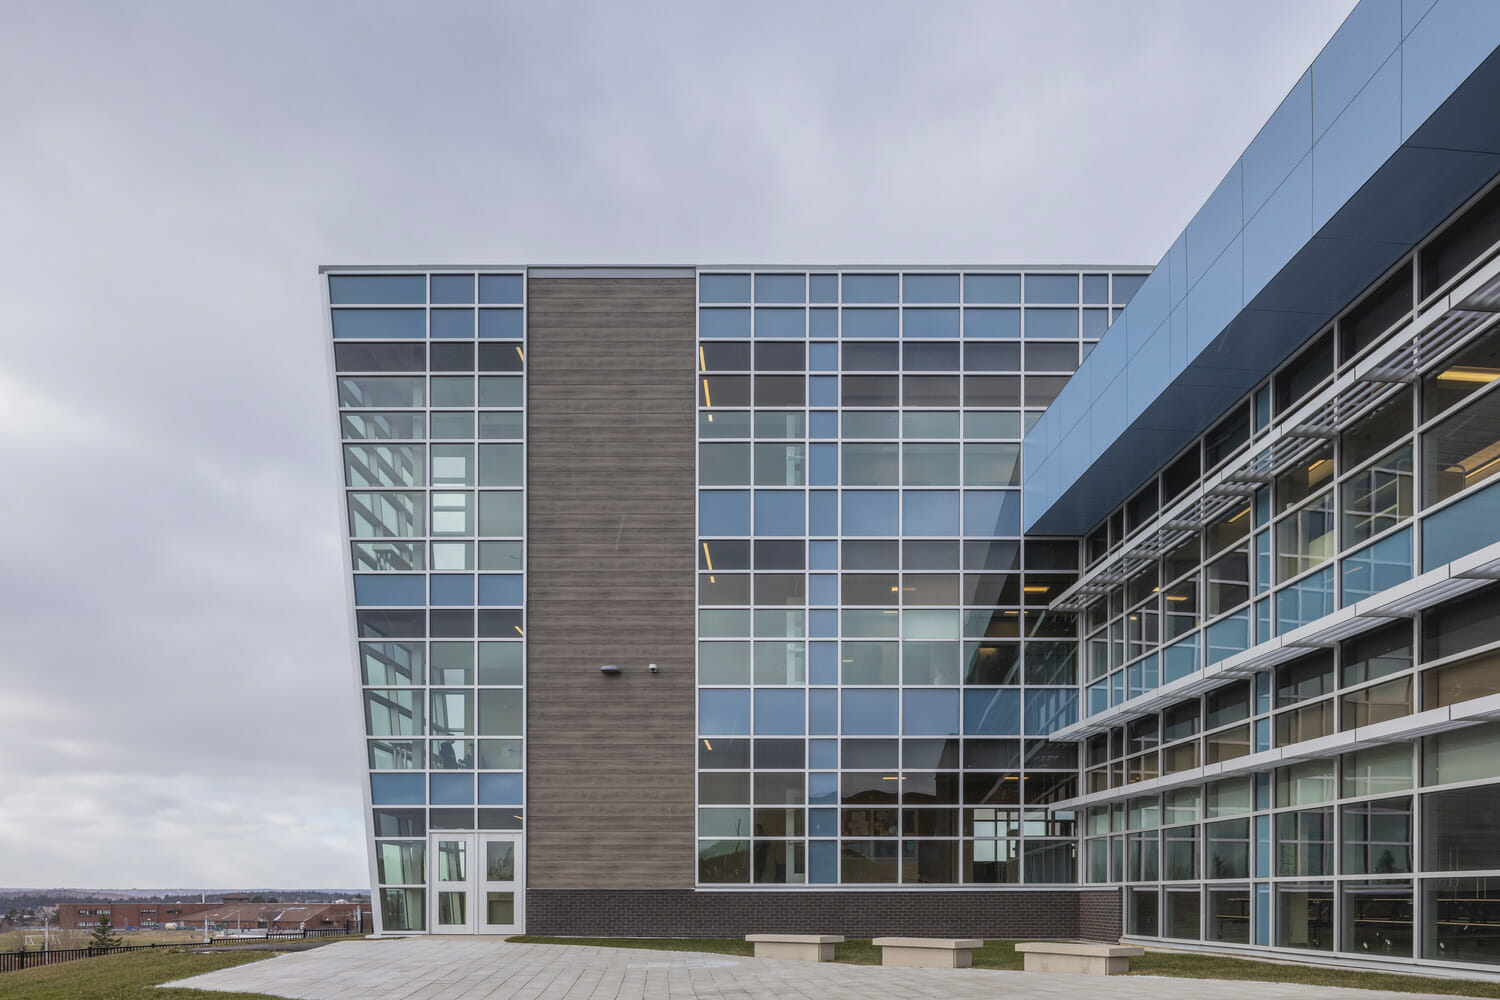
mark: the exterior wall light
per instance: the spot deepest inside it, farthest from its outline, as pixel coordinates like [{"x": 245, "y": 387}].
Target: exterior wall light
[{"x": 610, "y": 669}]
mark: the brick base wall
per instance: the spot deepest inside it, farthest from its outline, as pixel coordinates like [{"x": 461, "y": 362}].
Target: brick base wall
[
  {"x": 684, "y": 913},
  {"x": 1099, "y": 915}
]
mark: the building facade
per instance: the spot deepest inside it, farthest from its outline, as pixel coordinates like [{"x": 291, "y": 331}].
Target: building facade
[{"x": 1015, "y": 601}]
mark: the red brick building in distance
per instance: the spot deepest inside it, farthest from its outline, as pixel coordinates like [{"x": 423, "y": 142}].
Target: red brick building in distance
[{"x": 235, "y": 911}]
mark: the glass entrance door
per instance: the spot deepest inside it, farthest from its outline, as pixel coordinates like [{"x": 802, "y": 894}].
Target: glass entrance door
[
  {"x": 478, "y": 884},
  {"x": 452, "y": 891},
  {"x": 501, "y": 891}
]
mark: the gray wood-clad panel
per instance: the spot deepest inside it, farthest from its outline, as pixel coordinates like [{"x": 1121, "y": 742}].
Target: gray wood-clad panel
[{"x": 610, "y": 562}]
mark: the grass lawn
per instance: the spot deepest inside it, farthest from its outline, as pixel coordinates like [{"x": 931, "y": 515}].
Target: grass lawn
[
  {"x": 131, "y": 976},
  {"x": 1002, "y": 955}
]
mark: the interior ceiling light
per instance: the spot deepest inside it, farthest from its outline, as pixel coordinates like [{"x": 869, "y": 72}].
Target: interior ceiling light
[{"x": 1467, "y": 373}]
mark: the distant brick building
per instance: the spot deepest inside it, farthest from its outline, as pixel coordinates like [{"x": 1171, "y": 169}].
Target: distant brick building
[{"x": 234, "y": 911}]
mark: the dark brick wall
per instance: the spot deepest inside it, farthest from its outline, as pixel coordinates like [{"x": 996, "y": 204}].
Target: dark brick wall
[
  {"x": 685, "y": 913},
  {"x": 1099, "y": 915}
]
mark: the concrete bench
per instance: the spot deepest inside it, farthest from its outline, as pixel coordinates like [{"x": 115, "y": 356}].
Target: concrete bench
[
  {"x": 927, "y": 953},
  {"x": 795, "y": 947},
  {"x": 1078, "y": 957}
]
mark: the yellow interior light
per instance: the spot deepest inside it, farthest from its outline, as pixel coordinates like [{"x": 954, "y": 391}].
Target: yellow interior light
[
  {"x": 1241, "y": 514},
  {"x": 708, "y": 558},
  {"x": 1036, "y": 588},
  {"x": 1467, "y": 373},
  {"x": 707, "y": 399},
  {"x": 702, "y": 362},
  {"x": 707, "y": 745},
  {"x": 1177, "y": 597},
  {"x": 520, "y": 354}
]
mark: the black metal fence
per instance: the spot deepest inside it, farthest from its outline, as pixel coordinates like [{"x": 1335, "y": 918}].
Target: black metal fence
[{"x": 14, "y": 961}]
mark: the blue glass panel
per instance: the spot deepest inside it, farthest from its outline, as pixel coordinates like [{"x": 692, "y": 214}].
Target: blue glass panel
[
  {"x": 1263, "y": 620},
  {"x": 1262, "y": 913},
  {"x": 500, "y": 324},
  {"x": 779, "y": 712},
  {"x": 1095, "y": 322},
  {"x": 1470, "y": 524},
  {"x": 1052, "y": 289},
  {"x": 388, "y": 591},
  {"x": 499, "y": 790},
  {"x": 724, "y": 512},
  {"x": 823, "y": 513},
  {"x": 453, "y": 323},
  {"x": 930, "y": 512},
  {"x": 1262, "y": 692},
  {"x": 823, "y": 862},
  {"x": 1116, "y": 687},
  {"x": 931, "y": 712},
  {"x": 871, "y": 512},
  {"x": 1051, "y": 324},
  {"x": 1378, "y": 567},
  {"x": 1263, "y": 847},
  {"x": 823, "y": 790},
  {"x": 453, "y": 789},
  {"x": 929, "y": 288},
  {"x": 1262, "y": 506},
  {"x": 389, "y": 324},
  {"x": 823, "y": 287},
  {"x": 823, "y": 323},
  {"x": 823, "y": 555},
  {"x": 823, "y": 465},
  {"x": 823, "y": 712},
  {"x": 823, "y": 423},
  {"x": 783, "y": 288},
  {"x": 871, "y": 288},
  {"x": 377, "y": 289},
  {"x": 1305, "y": 601},
  {"x": 1096, "y": 289},
  {"x": 779, "y": 513},
  {"x": 1126, "y": 285},
  {"x": 1050, "y": 709},
  {"x": 823, "y": 588},
  {"x": 1228, "y": 636},
  {"x": 715, "y": 323},
  {"x": 991, "y": 513},
  {"x": 1179, "y": 659},
  {"x": 724, "y": 288},
  {"x": 501, "y": 589},
  {"x": 929, "y": 323},
  {"x": 823, "y": 358},
  {"x": 823, "y": 390},
  {"x": 780, "y": 323},
  {"x": 823, "y": 624},
  {"x": 992, "y": 713},
  {"x": 398, "y": 790},
  {"x": 1005, "y": 323},
  {"x": 452, "y": 289},
  {"x": 823, "y": 755},
  {"x": 992, "y": 288},
  {"x": 1098, "y": 697},
  {"x": 453, "y": 589},
  {"x": 870, "y": 713},
  {"x": 500, "y": 289},
  {"x": 871, "y": 322},
  {"x": 823, "y": 822},
  {"x": 823, "y": 663},
  {"x": 724, "y": 712},
  {"x": 1262, "y": 735}
]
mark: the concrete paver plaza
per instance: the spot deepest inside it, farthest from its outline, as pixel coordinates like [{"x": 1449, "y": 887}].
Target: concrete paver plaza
[{"x": 429, "y": 968}]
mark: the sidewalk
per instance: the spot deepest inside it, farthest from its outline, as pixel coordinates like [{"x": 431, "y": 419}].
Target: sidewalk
[{"x": 469, "y": 968}]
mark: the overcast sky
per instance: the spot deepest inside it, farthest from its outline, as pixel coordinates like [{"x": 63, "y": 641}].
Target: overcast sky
[{"x": 174, "y": 667}]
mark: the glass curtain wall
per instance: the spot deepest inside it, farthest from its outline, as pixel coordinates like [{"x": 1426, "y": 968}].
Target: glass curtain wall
[
  {"x": 878, "y": 670},
  {"x": 431, "y": 401}
]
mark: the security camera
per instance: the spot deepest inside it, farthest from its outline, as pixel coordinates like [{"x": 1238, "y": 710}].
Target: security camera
[{"x": 654, "y": 668}]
